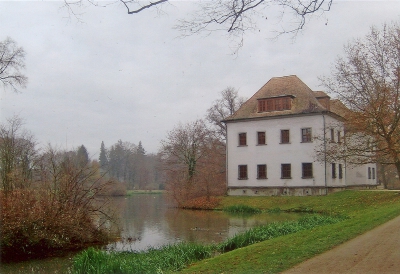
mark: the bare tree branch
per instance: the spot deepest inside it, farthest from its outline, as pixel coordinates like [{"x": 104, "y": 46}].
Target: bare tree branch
[{"x": 12, "y": 60}]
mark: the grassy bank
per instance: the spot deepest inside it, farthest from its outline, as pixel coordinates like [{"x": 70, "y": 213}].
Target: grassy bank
[
  {"x": 288, "y": 243},
  {"x": 365, "y": 210},
  {"x": 175, "y": 257},
  {"x": 134, "y": 192}
]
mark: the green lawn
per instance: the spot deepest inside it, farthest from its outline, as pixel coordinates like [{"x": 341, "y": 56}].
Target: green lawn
[{"x": 365, "y": 209}]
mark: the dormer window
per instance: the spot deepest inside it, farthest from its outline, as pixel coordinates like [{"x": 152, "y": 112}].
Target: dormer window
[{"x": 275, "y": 103}]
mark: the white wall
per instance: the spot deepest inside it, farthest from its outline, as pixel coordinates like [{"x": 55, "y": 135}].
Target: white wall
[{"x": 273, "y": 154}]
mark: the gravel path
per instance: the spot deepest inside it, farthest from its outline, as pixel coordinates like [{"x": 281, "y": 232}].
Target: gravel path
[{"x": 376, "y": 251}]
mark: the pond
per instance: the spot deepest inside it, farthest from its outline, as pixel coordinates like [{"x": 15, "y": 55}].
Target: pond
[{"x": 148, "y": 220}]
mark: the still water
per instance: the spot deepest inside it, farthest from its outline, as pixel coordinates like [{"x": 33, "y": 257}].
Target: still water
[{"x": 148, "y": 220}]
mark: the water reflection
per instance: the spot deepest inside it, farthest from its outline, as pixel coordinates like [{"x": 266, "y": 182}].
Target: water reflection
[{"x": 149, "y": 221}]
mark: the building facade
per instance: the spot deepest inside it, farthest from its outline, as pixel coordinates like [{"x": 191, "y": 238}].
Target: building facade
[{"x": 273, "y": 140}]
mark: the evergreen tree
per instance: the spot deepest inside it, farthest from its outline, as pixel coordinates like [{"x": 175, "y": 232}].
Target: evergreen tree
[
  {"x": 83, "y": 156},
  {"x": 140, "y": 149},
  {"x": 103, "y": 156}
]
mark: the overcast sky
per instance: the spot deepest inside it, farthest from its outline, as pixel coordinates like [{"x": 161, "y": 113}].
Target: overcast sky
[{"x": 118, "y": 76}]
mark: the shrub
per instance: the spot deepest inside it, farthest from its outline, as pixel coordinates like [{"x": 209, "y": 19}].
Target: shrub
[
  {"x": 33, "y": 224},
  {"x": 242, "y": 209},
  {"x": 202, "y": 203}
]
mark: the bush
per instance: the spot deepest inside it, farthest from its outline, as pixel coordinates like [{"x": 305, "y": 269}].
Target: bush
[
  {"x": 33, "y": 224},
  {"x": 242, "y": 209},
  {"x": 202, "y": 203}
]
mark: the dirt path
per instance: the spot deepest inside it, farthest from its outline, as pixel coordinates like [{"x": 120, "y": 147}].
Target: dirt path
[{"x": 377, "y": 251}]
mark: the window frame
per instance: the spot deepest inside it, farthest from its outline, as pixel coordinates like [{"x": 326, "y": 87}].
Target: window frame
[
  {"x": 262, "y": 172},
  {"x": 340, "y": 167},
  {"x": 306, "y": 137},
  {"x": 333, "y": 170},
  {"x": 242, "y": 172},
  {"x": 274, "y": 104},
  {"x": 307, "y": 170},
  {"x": 262, "y": 137},
  {"x": 242, "y": 136},
  {"x": 283, "y": 137},
  {"x": 286, "y": 171},
  {"x": 332, "y": 135}
]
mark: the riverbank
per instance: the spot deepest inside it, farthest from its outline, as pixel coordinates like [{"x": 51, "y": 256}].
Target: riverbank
[{"x": 365, "y": 209}]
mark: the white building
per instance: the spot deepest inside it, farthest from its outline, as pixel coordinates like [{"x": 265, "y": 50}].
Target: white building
[{"x": 273, "y": 138}]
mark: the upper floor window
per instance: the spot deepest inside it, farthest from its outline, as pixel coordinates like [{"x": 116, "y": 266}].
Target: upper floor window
[
  {"x": 339, "y": 137},
  {"x": 261, "y": 138},
  {"x": 261, "y": 171},
  {"x": 242, "y": 170},
  {"x": 306, "y": 135},
  {"x": 332, "y": 135},
  {"x": 307, "y": 170},
  {"x": 275, "y": 104},
  {"x": 286, "y": 171},
  {"x": 285, "y": 136},
  {"x": 242, "y": 139}
]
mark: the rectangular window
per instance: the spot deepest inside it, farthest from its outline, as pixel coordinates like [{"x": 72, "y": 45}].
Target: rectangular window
[
  {"x": 306, "y": 135},
  {"x": 340, "y": 171},
  {"x": 274, "y": 104},
  {"x": 261, "y": 171},
  {"x": 373, "y": 173},
  {"x": 262, "y": 106},
  {"x": 369, "y": 173},
  {"x": 261, "y": 138},
  {"x": 286, "y": 103},
  {"x": 242, "y": 172},
  {"x": 332, "y": 135},
  {"x": 307, "y": 170},
  {"x": 339, "y": 137},
  {"x": 286, "y": 171},
  {"x": 270, "y": 105},
  {"x": 333, "y": 170},
  {"x": 278, "y": 104},
  {"x": 242, "y": 139},
  {"x": 285, "y": 136}
]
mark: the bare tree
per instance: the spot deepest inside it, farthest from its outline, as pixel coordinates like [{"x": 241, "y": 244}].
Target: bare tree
[
  {"x": 227, "y": 105},
  {"x": 234, "y": 17},
  {"x": 12, "y": 60},
  {"x": 367, "y": 81},
  {"x": 187, "y": 153},
  {"x": 17, "y": 155}
]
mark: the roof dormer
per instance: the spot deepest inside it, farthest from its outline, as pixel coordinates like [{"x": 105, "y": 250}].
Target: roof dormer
[{"x": 276, "y": 103}]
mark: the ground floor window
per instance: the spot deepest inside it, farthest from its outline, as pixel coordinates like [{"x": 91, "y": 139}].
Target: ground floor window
[
  {"x": 286, "y": 171},
  {"x": 340, "y": 171},
  {"x": 261, "y": 171},
  {"x": 307, "y": 170},
  {"x": 333, "y": 170},
  {"x": 242, "y": 172}
]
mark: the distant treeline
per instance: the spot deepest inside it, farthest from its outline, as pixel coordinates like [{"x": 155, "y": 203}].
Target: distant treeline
[{"x": 130, "y": 164}]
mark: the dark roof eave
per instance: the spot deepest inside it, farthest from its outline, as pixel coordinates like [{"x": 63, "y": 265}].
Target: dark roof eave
[{"x": 327, "y": 112}]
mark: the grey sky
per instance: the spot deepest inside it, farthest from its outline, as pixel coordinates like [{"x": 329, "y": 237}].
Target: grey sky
[{"x": 119, "y": 76}]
